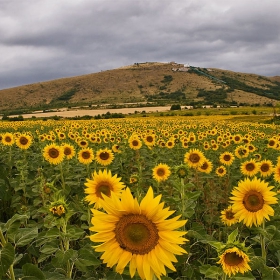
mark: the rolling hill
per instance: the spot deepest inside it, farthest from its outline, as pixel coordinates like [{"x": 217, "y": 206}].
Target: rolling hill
[{"x": 152, "y": 82}]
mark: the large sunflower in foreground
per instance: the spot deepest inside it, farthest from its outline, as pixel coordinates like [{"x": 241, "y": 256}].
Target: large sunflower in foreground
[
  {"x": 137, "y": 234},
  {"x": 234, "y": 260},
  {"x": 161, "y": 172},
  {"x": 53, "y": 154},
  {"x": 251, "y": 201},
  {"x": 102, "y": 183}
]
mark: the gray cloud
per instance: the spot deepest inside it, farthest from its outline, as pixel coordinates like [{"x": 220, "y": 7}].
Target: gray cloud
[{"x": 43, "y": 40}]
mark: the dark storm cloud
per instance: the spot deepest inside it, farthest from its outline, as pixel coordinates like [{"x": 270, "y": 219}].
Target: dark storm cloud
[{"x": 43, "y": 40}]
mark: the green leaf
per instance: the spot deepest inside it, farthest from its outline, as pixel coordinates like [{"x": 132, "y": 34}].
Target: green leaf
[
  {"x": 245, "y": 276},
  {"x": 211, "y": 272},
  {"x": 14, "y": 219},
  {"x": 32, "y": 272},
  {"x": 55, "y": 276},
  {"x": 74, "y": 233},
  {"x": 61, "y": 258},
  {"x": 270, "y": 273},
  {"x": 86, "y": 258},
  {"x": 232, "y": 236},
  {"x": 24, "y": 236},
  {"x": 49, "y": 248},
  {"x": 256, "y": 262},
  {"x": 193, "y": 195},
  {"x": 7, "y": 255}
]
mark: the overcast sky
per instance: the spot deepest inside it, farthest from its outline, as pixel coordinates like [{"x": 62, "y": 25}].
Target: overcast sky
[{"x": 43, "y": 40}]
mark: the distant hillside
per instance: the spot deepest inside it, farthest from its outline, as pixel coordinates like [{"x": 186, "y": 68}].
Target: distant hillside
[{"x": 159, "y": 83}]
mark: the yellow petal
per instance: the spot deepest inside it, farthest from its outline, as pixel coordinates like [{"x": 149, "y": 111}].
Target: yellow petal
[{"x": 124, "y": 259}]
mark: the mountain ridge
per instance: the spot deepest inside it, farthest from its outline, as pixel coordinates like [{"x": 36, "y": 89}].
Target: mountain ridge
[{"x": 155, "y": 82}]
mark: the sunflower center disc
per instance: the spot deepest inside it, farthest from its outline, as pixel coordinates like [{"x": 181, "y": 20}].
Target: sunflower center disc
[
  {"x": 232, "y": 259},
  {"x": 136, "y": 234},
  {"x": 194, "y": 158},
  {"x": 204, "y": 166},
  {"x": 227, "y": 158},
  {"x": 103, "y": 188},
  {"x": 264, "y": 167},
  {"x": 67, "y": 151},
  {"x": 104, "y": 155},
  {"x": 253, "y": 201},
  {"x": 86, "y": 155},
  {"x": 160, "y": 172},
  {"x": 149, "y": 139},
  {"x": 53, "y": 153},
  {"x": 23, "y": 141},
  {"x": 8, "y": 139},
  {"x": 250, "y": 167},
  {"x": 135, "y": 143},
  {"x": 229, "y": 215}
]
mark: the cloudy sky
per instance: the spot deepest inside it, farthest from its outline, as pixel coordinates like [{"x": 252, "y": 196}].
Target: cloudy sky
[{"x": 48, "y": 39}]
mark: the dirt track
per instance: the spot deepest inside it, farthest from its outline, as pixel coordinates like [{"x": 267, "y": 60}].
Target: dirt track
[{"x": 79, "y": 112}]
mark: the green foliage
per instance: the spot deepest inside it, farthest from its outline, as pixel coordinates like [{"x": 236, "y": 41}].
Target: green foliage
[
  {"x": 66, "y": 96},
  {"x": 167, "y": 79},
  {"x": 175, "y": 107}
]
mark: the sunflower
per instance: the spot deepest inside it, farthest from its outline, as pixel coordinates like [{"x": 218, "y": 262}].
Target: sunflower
[
  {"x": 272, "y": 143},
  {"x": 86, "y": 156},
  {"x": 24, "y": 141},
  {"x": 234, "y": 260},
  {"x": 251, "y": 201},
  {"x": 170, "y": 143},
  {"x": 194, "y": 158},
  {"x": 206, "y": 167},
  {"x": 116, "y": 148},
  {"x": 228, "y": 217},
  {"x": 161, "y": 172},
  {"x": 265, "y": 168},
  {"x": 138, "y": 234},
  {"x": 182, "y": 171},
  {"x": 104, "y": 156},
  {"x": 227, "y": 158},
  {"x": 149, "y": 140},
  {"x": 53, "y": 154},
  {"x": 241, "y": 151},
  {"x": 69, "y": 150},
  {"x": 82, "y": 143},
  {"x": 58, "y": 210},
  {"x": 134, "y": 179},
  {"x": 276, "y": 175},
  {"x": 221, "y": 171},
  {"x": 249, "y": 168},
  {"x": 134, "y": 143},
  {"x": 8, "y": 139},
  {"x": 237, "y": 138},
  {"x": 102, "y": 183}
]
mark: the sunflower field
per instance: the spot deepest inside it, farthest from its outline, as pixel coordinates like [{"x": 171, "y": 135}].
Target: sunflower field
[{"x": 142, "y": 198}]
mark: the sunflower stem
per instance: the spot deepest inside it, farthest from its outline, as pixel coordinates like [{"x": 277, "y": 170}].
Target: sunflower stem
[
  {"x": 183, "y": 198},
  {"x": 262, "y": 240},
  {"x": 3, "y": 243},
  {"x": 62, "y": 176},
  {"x": 224, "y": 276}
]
